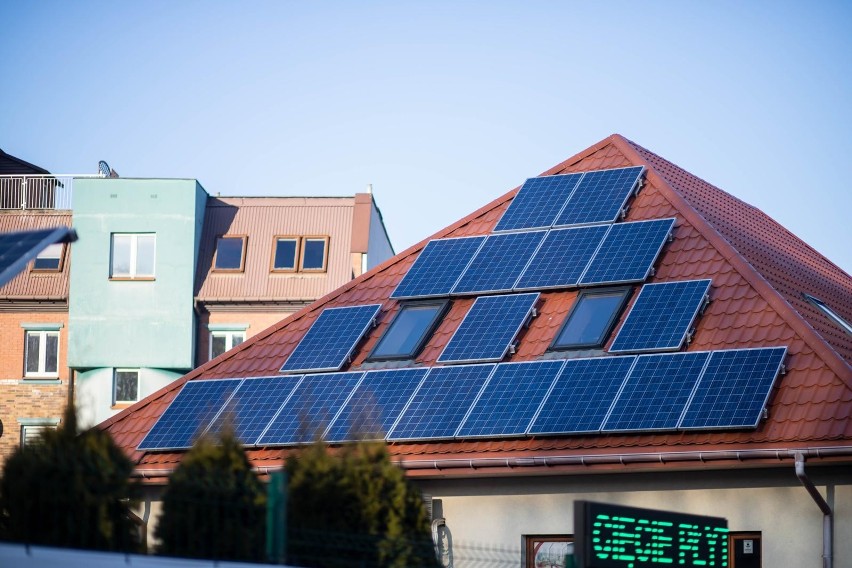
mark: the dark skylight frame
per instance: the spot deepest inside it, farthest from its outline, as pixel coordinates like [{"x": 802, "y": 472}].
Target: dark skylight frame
[{"x": 410, "y": 330}]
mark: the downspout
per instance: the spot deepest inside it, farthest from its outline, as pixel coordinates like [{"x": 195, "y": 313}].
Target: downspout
[{"x": 827, "y": 518}]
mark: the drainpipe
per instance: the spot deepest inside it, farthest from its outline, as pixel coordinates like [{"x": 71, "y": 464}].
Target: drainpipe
[{"x": 827, "y": 518}]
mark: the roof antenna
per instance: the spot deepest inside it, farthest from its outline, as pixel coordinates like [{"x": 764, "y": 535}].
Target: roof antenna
[{"x": 370, "y": 188}]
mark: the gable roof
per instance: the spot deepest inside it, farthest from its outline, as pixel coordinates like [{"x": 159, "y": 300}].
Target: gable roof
[
  {"x": 11, "y": 165},
  {"x": 758, "y": 272}
]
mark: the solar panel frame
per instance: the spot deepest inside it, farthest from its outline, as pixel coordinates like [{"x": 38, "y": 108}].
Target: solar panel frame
[
  {"x": 478, "y": 339},
  {"x": 661, "y": 317},
  {"x": 441, "y": 403},
  {"x": 313, "y": 352},
  {"x": 438, "y": 267},
  {"x": 556, "y": 262},
  {"x": 530, "y": 208},
  {"x": 499, "y": 263},
  {"x": 582, "y": 396},
  {"x": 618, "y": 251},
  {"x": 600, "y": 197},
  {"x": 254, "y": 404},
  {"x": 518, "y": 384},
  {"x": 672, "y": 376},
  {"x": 718, "y": 378},
  {"x": 311, "y": 408},
  {"x": 386, "y": 407},
  {"x": 189, "y": 425}
]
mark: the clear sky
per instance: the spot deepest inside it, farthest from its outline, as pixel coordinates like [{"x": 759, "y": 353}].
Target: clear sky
[{"x": 442, "y": 106}]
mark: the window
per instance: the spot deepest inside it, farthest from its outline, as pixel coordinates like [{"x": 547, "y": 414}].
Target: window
[
  {"x": 41, "y": 353},
  {"x": 314, "y": 254},
  {"x": 409, "y": 331},
  {"x": 591, "y": 319},
  {"x": 133, "y": 255},
  {"x": 745, "y": 550},
  {"x": 221, "y": 341},
  {"x": 50, "y": 259},
  {"x": 230, "y": 253},
  {"x": 834, "y": 316},
  {"x": 126, "y": 386},
  {"x": 285, "y": 253},
  {"x": 551, "y": 551},
  {"x": 33, "y": 428}
]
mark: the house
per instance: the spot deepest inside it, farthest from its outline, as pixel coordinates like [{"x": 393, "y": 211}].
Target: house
[
  {"x": 157, "y": 286},
  {"x": 617, "y": 330}
]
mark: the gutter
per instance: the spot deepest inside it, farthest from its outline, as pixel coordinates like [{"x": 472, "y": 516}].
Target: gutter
[{"x": 827, "y": 517}]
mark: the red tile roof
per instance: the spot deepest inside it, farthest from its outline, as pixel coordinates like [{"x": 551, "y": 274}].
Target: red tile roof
[
  {"x": 42, "y": 285},
  {"x": 758, "y": 271}
]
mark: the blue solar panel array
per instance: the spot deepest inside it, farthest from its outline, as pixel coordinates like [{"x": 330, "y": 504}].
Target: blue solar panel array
[
  {"x": 582, "y": 396},
  {"x": 538, "y": 202},
  {"x": 189, "y": 414},
  {"x": 628, "y": 252},
  {"x": 510, "y": 400},
  {"x": 489, "y": 328},
  {"x": 331, "y": 339},
  {"x": 376, "y": 404},
  {"x": 499, "y": 263},
  {"x": 600, "y": 197},
  {"x": 734, "y": 389},
  {"x": 438, "y": 267},
  {"x": 311, "y": 408},
  {"x": 662, "y": 391},
  {"x": 661, "y": 317},
  {"x": 441, "y": 403},
  {"x": 656, "y": 392},
  {"x": 253, "y": 405},
  {"x": 562, "y": 258}
]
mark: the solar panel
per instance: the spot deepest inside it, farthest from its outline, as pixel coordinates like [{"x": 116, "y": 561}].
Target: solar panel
[
  {"x": 562, "y": 257},
  {"x": 441, "y": 403},
  {"x": 656, "y": 392},
  {"x": 489, "y": 328},
  {"x": 253, "y": 406},
  {"x": 376, "y": 404},
  {"x": 438, "y": 267},
  {"x": 331, "y": 339},
  {"x": 20, "y": 247},
  {"x": 734, "y": 389},
  {"x": 628, "y": 252},
  {"x": 582, "y": 395},
  {"x": 599, "y": 197},
  {"x": 661, "y": 317},
  {"x": 310, "y": 409},
  {"x": 537, "y": 203},
  {"x": 189, "y": 414},
  {"x": 510, "y": 399},
  {"x": 499, "y": 263}
]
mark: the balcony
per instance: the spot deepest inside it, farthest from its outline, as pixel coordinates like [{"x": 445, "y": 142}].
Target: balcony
[{"x": 48, "y": 191}]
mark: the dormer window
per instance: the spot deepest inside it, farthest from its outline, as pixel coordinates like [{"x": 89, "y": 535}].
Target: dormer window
[
  {"x": 230, "y": 254},
  {"x": 591, "y": 319}
]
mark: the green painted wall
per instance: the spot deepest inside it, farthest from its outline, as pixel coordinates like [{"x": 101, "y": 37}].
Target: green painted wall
[
  {"x": 94, "y": 391},
  {"x": 115, "y": 323}
]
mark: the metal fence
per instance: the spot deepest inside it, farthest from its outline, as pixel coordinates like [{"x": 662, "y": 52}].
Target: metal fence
[{"x": 45, "y": 191}]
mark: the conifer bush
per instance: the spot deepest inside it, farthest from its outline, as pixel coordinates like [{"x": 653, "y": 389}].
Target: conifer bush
[
  {"x": 69, "y": 490},
  {"x": 354, "y": 508},
  {"x": 214, "y": 504}
]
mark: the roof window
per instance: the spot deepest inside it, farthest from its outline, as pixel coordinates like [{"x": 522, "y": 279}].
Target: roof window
[
  {"x": 230, "y": 253},
  {"x": 832, "y": 315},
  {"x": 591, "y": 319},
  {"x": 410, "y": 330}
]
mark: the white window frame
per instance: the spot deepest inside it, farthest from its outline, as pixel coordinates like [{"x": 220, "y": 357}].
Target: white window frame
[
  {"x": 229, "y": 335},
  {"x": 132, "y": 261},
  {"x": 115, "y": 399},
  {"x": 42, "y": 332},
  {"x": 31, "y": 428}
]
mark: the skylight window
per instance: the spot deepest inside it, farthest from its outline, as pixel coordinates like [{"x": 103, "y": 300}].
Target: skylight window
[
  {"x": 314, "y": 254},
  {"x": 410, "y": 330},
  {"x": 832, "y": 315},
  {"x": 50, "y": 259},
  {"x": 591, "y": 319},
  {"x": 230, "y": 253},
  {"x": 285, "y": 254}
]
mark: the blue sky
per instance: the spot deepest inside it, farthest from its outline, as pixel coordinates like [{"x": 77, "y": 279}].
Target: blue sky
[{"x": 442, "y": 106}]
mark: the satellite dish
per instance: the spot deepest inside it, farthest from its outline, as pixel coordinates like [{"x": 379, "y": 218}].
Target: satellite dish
[{"x": 103, "y": 168}]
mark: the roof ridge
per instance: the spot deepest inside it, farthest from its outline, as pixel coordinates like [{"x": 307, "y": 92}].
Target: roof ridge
[{"x": 739, "y": 262}]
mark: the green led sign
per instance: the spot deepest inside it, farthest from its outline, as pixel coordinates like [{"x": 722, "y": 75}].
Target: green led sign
[{"x": 614, "y": 536}]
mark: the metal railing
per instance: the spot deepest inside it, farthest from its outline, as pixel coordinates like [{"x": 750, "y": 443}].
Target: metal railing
[{"x": 45, "y": 191}]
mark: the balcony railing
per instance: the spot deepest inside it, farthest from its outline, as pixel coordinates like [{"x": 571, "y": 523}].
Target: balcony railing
[{"x": 47, "y": 191}]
